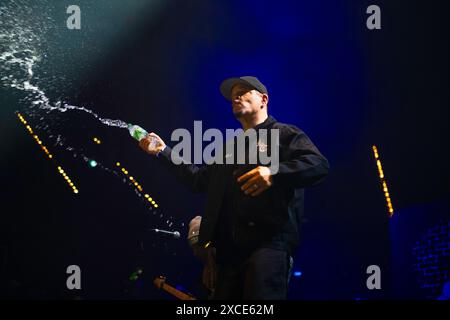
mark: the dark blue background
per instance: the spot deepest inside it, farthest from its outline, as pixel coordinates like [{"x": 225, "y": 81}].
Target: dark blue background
[{"x": 159, "y": 65}]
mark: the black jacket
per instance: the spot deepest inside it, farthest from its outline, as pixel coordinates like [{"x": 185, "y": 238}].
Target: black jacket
[{"x": 270, "y": 219}]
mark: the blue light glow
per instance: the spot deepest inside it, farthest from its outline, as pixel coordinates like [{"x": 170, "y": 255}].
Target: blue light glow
[{"x": 92, "y": 163}]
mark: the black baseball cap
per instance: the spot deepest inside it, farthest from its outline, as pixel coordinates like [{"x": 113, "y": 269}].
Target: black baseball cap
[{"x": 228, "y": 84}]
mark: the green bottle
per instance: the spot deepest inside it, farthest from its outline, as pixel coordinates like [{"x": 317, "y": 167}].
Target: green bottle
[
  {"x": 140, "y": 133},
  {"x": 137, "y": 132}
]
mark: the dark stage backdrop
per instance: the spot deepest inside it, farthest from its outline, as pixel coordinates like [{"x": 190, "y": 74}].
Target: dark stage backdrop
[{"x": 159, "y": 64}]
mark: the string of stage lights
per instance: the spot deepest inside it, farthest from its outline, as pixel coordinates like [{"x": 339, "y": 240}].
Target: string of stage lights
[
  {"x": 137, "y": 185},
  {"x": 133, "y": 181},
  {"x": 383, "y": 181},
  {"x": 47, "y": 152}
]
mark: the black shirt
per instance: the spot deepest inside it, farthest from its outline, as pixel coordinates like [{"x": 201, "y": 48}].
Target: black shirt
[{"x": 236, "y": 223}]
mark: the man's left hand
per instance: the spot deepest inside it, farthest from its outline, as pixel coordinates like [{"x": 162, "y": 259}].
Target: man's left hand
[{"x": 256, "y": 181}]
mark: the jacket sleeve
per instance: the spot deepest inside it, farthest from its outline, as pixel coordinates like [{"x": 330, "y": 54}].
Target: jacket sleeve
[
  {"x": 301, "y": 163},
  {"x": 194, "y": 177}
]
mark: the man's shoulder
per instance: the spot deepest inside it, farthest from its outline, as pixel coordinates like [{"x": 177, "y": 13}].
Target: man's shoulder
[{"x": 286, "y": 128}]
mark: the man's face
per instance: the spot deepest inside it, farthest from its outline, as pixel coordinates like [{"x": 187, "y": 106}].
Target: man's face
[{"x": 245, "y": 100}]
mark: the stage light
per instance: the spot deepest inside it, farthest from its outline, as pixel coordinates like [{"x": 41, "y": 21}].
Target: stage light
[
  {"x": 383, "y": 181},
  {"x": 297, "y": 273},
  {"x": 137, "y": 185},
  {"x": 92, "y": 163},
  {"x": 96, "y": 140},
  {"x": 44, "y": 148}
]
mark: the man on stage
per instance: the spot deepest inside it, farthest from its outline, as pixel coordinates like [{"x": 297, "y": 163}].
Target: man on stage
[{"x": 252, "y": 214}]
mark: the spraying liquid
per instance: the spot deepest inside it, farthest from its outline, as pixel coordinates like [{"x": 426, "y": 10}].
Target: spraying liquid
[{"x": 21, "y": 49}]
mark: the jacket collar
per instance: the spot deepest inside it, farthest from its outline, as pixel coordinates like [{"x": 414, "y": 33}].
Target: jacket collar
[{"x": 266, "y": 123}]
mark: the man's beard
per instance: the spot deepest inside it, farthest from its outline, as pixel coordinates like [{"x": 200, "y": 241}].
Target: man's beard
[
  {"x": 238, "y": 114},
  {"x": 241, "y": 113}
]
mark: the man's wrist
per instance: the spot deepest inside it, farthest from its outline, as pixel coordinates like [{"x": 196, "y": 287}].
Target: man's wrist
[{"x": 162, "y": 149}]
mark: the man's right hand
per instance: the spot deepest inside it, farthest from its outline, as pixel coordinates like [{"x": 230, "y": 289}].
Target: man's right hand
[{"x": 145, "y": 144}]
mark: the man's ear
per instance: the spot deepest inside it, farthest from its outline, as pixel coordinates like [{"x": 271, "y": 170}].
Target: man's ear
[{"x": 265, "y": 99}]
